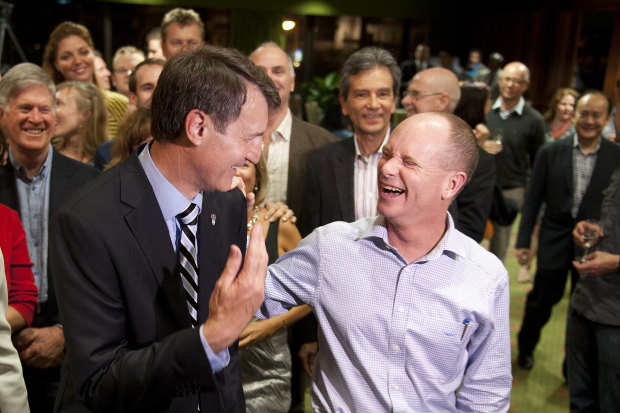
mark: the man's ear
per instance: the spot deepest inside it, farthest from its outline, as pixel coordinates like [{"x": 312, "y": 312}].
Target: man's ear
[
  {"x": 133, "y": 99},
  {"x": 343, "y": 105},
  {"x": 198, "y": 126},
  {"x": 455, "y": 182}
]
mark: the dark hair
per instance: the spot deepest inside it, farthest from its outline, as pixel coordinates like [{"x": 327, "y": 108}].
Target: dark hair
[
  {"x": 366, "y": 59},
  {"x": 133, "y": 77},
  {"x": 211, "y": 79},
  {"x": 595, "y": 92},
  {"x": 60, "y": 32},
  {"x": 471, "y": 104}
]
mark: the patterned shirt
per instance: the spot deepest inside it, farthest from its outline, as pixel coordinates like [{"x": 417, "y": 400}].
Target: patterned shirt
[
  {"x": 365, "y": 179},
  {"x": 34, "y": 206},
  {"x": 394, "y": 336},
  {"x": 583, "y": 165},
  {"x": 277, "y": 160}
]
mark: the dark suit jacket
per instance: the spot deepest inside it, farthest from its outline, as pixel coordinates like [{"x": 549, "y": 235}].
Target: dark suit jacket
[
  {"x": 305, "y": 137},
  {"x": 552, "y": 183},
  {"x": 130, "y": 345},
  {"x": 329, "y": 194},
  {"x": 65, "y": 177},
  {"x": 474, "y": 202}
]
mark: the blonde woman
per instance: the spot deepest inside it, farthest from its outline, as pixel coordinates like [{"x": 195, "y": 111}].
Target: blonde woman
[{"x": 81, "y": 120}]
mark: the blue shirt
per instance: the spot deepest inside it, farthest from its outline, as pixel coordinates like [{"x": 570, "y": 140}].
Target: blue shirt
[
  {"x": 34, "y": 206},
  {"x": 399, "y": 337},
  {"x": 172, "y": 202}
]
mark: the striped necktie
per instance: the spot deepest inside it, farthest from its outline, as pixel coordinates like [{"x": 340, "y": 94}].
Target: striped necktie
[{"x": 188, "y": 261}]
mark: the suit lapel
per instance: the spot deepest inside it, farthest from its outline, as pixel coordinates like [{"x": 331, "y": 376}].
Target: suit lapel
[
  {"x": 566, "y": 163},
  {"x": 343, "y": 177},
  {"x": 8, "y": 190},
  {"x": 208, "y": 227},
  {"x": 147, "y": 224}
]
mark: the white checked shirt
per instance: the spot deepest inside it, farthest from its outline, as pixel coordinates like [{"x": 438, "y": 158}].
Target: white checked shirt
[
  {"x": 396, "y": 336},
  {"x": 277, "y": 160},
  {"x": 365, "y": 180}
]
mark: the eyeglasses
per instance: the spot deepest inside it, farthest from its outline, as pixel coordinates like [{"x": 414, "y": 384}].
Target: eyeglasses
[
  {"x": 414, "y": 94},
  {"x": 123, "y": 71},
  {"x": 512, "y": 80}
]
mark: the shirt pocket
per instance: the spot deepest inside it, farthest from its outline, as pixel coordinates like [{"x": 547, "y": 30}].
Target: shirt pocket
[{"x": 437, "y": 347}]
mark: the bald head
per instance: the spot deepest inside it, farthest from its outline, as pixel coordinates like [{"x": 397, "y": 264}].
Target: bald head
[
  {"x": 432, "y": 90},
  {"x": 279, "y": 67},
  {"x": 513, "y": 83}
]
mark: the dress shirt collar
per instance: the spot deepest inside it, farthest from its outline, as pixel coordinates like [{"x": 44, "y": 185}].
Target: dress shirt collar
[
  {"x": 170, "y": 200},
  {"x": 285, "y": 127},
  {"x": 518, "y": 109},
  {"x": 448, "y": 244},
  {"x": 22, "y": 173},
  {"x": 358, "y": 154},
  {"x": 576, "y": 144}
]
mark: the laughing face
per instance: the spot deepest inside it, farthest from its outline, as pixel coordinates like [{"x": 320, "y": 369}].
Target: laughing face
[
  {"x": 412, "y": 180},
  {"x": 28, "y": 122},
  {"x": 370, "y": 102}
]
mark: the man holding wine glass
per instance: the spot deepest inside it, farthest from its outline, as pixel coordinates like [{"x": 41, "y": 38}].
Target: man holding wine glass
[
  {"x": 569, "y": 175},
  {"x": 593, "y": 327}
]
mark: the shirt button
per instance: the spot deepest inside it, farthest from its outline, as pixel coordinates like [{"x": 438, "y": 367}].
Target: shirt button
[
  {"x": 395, "y": 386},
  {"x": 396, "y": 348},
  {"x": 401, "y": 310}
]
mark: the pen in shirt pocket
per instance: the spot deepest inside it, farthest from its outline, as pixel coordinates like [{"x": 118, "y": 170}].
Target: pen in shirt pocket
[{"x": 465, "y": 325}]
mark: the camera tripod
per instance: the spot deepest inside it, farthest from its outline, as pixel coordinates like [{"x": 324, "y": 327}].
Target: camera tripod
[{"x": 5, "y": 27}]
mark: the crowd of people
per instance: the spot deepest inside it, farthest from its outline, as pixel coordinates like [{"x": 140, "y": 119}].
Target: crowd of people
[{"x": 153, "y": 260}]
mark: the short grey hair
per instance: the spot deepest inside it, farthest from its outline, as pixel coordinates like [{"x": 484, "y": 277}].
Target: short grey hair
[
  {"x": 366, "y": 59},
  {"x": 21, "y": 76}
]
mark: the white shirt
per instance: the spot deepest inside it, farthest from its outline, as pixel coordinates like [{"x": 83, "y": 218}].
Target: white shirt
[
  {"x": 277, "y": 160},
  {"x": 365, "y": 180}
]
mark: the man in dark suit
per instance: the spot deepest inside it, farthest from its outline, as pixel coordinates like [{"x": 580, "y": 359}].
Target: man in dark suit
[
  {"x": 341, "y": 178},
  {"x": 151, "y": 325},
  {"x": 35, "y": 181},
  {"x": 569, "y": 176},
  {"x": 288, "y": 139}
]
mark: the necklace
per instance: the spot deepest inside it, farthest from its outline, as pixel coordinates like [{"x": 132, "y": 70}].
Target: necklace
[{"x": 252, "y": 221}]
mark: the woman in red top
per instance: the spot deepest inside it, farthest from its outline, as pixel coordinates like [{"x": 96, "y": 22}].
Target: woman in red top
[{"x": 20, "y": 281}]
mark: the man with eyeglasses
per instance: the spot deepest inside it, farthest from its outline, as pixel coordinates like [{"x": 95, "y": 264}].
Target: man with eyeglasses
[
  {"x": 125, "y": 60},
  {"x": 569, "y": 176},
  {"x": 521, "y": 130},
  {"x": 437, "y": 90}
]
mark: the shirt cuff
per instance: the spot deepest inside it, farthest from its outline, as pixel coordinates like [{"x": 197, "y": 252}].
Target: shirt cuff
[{"x": 218, "y": 361}]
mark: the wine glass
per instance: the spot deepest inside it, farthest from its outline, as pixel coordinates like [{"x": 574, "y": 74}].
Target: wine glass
[
  {"x": 590, "y": 237},
  {"x": 499, "y": 136}
]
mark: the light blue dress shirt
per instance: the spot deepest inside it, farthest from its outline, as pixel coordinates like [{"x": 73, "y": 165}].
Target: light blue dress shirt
[
  {"x": 172, "y": 202},
  {"x": 399, "y": 337},
  {"x": 34, "y": 206}
]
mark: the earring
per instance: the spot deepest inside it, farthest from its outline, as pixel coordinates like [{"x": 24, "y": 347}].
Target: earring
[{"x": 255, "y": 188}]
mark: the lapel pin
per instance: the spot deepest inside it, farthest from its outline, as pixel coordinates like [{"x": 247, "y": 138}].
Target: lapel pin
[{"x": 213, "y": 219}]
